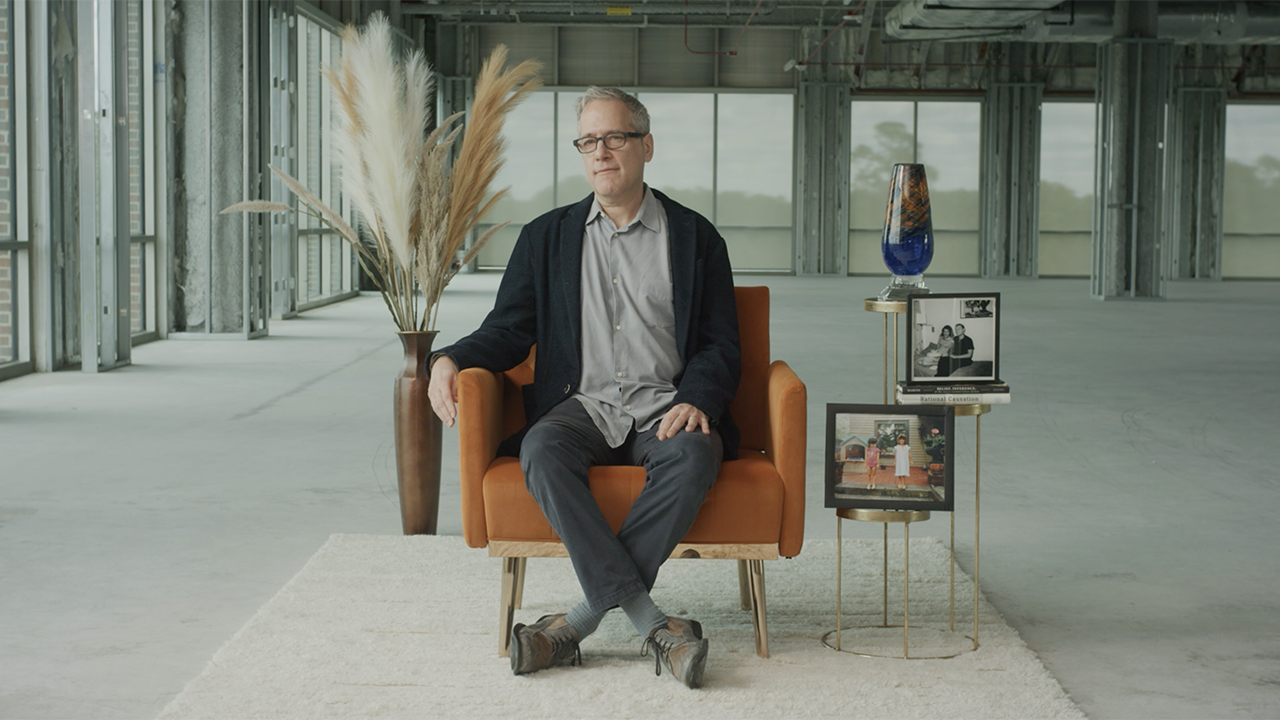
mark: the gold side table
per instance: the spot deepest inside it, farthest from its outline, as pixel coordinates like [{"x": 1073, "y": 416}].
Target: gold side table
[
  {"x": 906, "y": 517},
  {"x": 894, "y": 308}
]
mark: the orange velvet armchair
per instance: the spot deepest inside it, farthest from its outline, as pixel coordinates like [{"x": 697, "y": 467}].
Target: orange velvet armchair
[{"x": 755, "y": 511}]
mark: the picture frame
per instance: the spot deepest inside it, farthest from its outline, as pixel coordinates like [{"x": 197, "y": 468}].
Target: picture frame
[
  {"x": 923, "y": 480},
  {"x": 953, "y": 338}
]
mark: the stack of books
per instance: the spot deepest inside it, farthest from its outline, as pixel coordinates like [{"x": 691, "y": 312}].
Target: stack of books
[{"x": 982, "y": 393}]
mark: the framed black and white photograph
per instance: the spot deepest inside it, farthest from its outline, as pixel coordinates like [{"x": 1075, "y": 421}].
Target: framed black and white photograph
[
  {"x": 953, "y": 338},
  {"x": 893, "y": 457}
]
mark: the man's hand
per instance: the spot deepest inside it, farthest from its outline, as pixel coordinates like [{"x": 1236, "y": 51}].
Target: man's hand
[
  {"x": 443, "y": 389},
  {"x": 683, "y": 416}
]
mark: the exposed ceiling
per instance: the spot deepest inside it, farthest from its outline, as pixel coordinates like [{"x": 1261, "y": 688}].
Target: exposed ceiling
[{"x": 1186, "y": 21}]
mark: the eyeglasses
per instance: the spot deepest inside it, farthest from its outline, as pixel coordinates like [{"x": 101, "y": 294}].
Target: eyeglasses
[{"x": 613, "y": 141}]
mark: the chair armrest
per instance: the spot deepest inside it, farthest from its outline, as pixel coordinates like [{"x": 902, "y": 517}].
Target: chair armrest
[
  {"x": 479, "y": 433},
  {"x": 785, "y": 446}
]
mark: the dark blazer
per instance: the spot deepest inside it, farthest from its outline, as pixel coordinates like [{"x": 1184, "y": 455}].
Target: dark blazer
[{"x": 539, "y": 301}]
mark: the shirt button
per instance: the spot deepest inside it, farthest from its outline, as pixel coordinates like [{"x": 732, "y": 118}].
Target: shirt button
[
  {"x": 628, "y": 407},
  {"x": 566, "y": 388},
  {"x": 619, "y": 374},
  {"x": 617, "y": 327},
  {"x": 615, "y": 281}
]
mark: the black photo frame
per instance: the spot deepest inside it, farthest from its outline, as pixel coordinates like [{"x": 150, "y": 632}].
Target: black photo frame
[
  {"x": 928, "y": 484},
  {"x": 953, "y": 339}
]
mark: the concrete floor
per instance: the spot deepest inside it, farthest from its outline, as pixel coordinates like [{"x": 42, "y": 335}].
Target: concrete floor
[{"x": 1128, "y": 531}]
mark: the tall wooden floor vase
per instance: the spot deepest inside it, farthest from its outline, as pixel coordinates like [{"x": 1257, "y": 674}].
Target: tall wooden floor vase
[{"x": 417, "y": 439}]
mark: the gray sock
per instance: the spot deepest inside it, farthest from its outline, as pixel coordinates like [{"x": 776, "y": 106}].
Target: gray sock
[
  {"x": 643, "y": 614},
  {"x": 584, "y": 619}
]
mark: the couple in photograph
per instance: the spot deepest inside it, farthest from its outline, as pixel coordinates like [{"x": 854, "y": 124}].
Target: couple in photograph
[{"x": 953, "y": 350}]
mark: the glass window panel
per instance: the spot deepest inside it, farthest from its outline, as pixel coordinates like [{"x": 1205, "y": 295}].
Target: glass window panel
[
  {"x": 324, "y": 265},
  {"x": 947, "y": 142},
  {"x": 882, "y": 135},
  {"x": 753, "y": 157},
  {"x": 309, "y": 112},
  {"x": 753, "y": 179},
  {"x": 758, "y": 248},
  {"x": 571, "y": 179},
  {"x": 497, "y": 251},
  {"x": 529, "y": 132},
  {"x": 336, "y": 200},
  {"x": 1251, "y": 192},
  {"x": 1251, "y": 185},
  {"x": 683, "y": 128},
  {"x": 528, "y": 173},
  {"x": 1067, "y": 134}
]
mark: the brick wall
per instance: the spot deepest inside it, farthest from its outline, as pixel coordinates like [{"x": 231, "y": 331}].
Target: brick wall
[
  {"x": 133, "y": 107},
  {"x": 6, "y": 183}
]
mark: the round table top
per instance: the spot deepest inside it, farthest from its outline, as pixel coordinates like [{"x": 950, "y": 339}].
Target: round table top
[
  {"x": 882, "y": 516},
  {"x": 884, "y": 306}
]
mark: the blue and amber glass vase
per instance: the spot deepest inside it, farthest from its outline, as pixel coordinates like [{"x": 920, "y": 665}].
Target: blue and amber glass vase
[{"x": 908, "y": 232}]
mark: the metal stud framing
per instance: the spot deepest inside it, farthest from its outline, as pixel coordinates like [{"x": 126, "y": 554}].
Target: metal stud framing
[
  {"x": 1134, "y": 80},
  {"x": 1011, "y": 174},
  {"x": 105, "y": 340},
  {"x": 821, "y": 204},
  {"x": 1197, "y": 148}
]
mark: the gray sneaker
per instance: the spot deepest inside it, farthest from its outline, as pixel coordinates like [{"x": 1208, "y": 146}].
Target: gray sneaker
[
  {"x": 679, "y": 646},
  {"x": 550, "y": 641}
]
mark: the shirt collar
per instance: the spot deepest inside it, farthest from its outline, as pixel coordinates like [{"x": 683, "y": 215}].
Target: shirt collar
[{"x": 650, "y": 214}]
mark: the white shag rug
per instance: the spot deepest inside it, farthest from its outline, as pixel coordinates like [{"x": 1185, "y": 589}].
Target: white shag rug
[{"x": 405, "y": 627}]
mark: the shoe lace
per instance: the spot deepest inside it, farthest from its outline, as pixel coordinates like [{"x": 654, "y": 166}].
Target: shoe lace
[
  {"x": 660, "y": 649},
  {"x": 558, "y": 641}
]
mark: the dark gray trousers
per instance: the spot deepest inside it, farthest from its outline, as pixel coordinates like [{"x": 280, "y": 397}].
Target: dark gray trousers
[{"x": 555, "y": 456}]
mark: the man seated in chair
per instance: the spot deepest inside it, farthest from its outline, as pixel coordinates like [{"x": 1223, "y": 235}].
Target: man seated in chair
[{"x": 629, "y": 298}]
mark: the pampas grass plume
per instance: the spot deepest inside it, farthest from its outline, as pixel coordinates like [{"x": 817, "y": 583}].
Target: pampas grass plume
[{"x": 417, "y": 210}]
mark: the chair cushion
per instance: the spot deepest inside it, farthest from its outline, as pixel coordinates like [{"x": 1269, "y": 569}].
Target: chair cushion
[{"x": 744, "y": 506}]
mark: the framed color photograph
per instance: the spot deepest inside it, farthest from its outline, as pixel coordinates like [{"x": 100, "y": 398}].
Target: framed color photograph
[
  {"x": 953, "y": 338},
  {"x": 891, "y": 457}
]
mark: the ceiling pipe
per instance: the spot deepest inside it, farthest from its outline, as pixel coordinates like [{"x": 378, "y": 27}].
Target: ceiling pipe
[
  {"x": 534, "y": 7},
  {"x": 1205, "y": 22}
]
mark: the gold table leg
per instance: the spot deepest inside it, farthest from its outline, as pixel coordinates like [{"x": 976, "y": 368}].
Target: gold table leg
[
  {"x": 884, "y": 381},
  {"x": 906, "y": 589},
  {"x": 884, "y": 576},
  {"x": 839, "y": 575},
  {"x": 977, "y": 486}
]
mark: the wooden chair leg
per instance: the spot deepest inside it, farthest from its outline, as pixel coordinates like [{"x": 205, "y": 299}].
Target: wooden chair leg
[
  {"x": 759, "y": 621},
  {"x": 521, "y": 564},
  {"x": 507, "y": 606},
  {"x": 744, "y": 584}
]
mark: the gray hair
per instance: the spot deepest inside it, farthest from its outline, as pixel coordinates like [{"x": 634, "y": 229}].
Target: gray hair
[{"x": 639, "y": 115}]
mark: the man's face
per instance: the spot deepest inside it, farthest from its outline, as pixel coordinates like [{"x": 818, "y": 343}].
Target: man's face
[
  {"x": 959, "y": 331},
  {"x": 613, "y": 174}
]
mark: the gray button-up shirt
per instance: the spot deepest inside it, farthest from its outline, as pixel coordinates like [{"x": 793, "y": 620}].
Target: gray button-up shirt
[{"x": 629, "y": 355}]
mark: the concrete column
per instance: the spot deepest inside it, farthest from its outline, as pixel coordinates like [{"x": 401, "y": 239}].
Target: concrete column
[
  {"x": 1010, "y": 194},
  {"x": 1134, "y": 73},
  {"x": 220, "y": 263}
]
